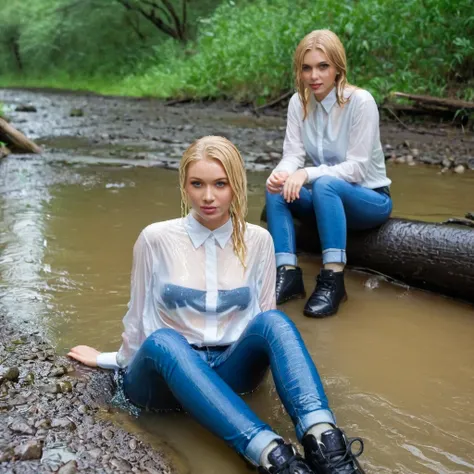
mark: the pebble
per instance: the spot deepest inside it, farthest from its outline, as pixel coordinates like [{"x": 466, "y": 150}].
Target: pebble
[
  {"x": 9, "y": 373},
  {"x": 121, "y": 464},
  {"x": 107, "y": 434},
  {"x": 32, "y": 449},
  {"x": 68, "y": 468},
  {"x": 50, "y": 388},
  {"x": 459, "y": 169},
  {"x": 63, "y": 423},
  {"x": 22, "y": 427},
  {"x": 132, "y": 444}
]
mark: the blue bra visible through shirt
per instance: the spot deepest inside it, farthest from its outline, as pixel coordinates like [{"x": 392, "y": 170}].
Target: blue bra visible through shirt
[{"x": 175, "y": 296}]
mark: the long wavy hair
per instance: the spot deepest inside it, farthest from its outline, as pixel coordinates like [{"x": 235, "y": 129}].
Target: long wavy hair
[
  {"x": 221, "y": 149},
  {"x": 330, "y": 44}
]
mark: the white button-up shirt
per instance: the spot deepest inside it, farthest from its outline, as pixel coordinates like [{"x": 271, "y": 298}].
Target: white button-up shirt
[
  {"x": 339, "y": 141},
  {"x": 188, "y": 278}
]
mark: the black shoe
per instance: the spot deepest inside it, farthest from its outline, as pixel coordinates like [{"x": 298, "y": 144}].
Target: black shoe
[
  {"x": 285, "y": 460},
  {"x": 289, "y": 284},
  {"x": 333, "y": 454},
  {"x": 327, "y": 295}
]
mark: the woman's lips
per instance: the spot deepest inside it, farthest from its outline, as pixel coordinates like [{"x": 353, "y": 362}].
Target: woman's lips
[{"x": 208, "y": 209}]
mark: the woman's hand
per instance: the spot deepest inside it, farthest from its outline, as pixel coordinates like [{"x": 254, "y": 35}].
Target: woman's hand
[
  {"x": 85, "y": 354},
  {"x": 291, "y": 189},
  {"x": 276, "y": 181}
]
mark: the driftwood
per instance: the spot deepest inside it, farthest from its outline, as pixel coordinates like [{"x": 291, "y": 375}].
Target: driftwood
[
  {"x": 15, "y": 139},
  {"x": 276, "y": 101},
  {"x": 425, "y": 255},
  {"x": 451, "y": 104}
]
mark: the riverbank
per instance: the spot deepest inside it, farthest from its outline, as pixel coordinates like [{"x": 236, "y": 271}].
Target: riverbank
[
  {"x": 151, "y": 133},
  {"x": 52, "y": 414}
]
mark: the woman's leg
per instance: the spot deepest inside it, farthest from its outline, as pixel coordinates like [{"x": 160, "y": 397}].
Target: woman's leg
[
  {"x": 166, "y": 363},
  {"x": 280, "y": 214},
  {"x": 273, "y": 339},
  {"x": 337, "y": 206}
]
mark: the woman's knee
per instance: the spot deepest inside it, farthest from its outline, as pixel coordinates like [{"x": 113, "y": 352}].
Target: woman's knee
[
  {"x": 326, "y": 183},
  {"x": 165, "y": 341},
  {"x": 272, "y": 199},
  {"x": 274, "y": 321}
]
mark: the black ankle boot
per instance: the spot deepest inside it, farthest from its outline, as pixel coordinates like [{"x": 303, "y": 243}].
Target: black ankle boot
[
  {"x": 327, "y": 295},
  {"x": 289, "y": 284},
  {"x": 285, "y": 460},
  {"x": 333, "y": 454}
]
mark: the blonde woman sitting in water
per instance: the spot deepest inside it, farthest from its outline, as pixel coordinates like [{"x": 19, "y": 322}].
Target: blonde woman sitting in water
[
  {"x": 202, "y": 327},
  {"x": 336, "y": 126}
]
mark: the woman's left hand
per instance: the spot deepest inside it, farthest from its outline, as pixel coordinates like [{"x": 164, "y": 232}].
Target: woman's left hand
[
  {"x": 292, "y": 186},
  {"x": 85, "y": 354}
]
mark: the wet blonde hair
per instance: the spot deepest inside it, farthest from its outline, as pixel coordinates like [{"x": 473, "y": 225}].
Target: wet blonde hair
[
  {"x": 221, "y": 149},
  {"x": 329, "y": 43}
]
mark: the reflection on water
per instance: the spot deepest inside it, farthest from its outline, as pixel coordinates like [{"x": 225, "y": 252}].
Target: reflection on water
[{"x": 397, "y": 362}]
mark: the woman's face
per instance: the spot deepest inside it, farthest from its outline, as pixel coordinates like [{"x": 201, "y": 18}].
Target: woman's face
[
  {"x": 318, "y": 74},
  {"x": 209, "y": 192}
]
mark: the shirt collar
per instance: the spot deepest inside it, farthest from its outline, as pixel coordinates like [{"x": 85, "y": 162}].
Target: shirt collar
[
  {"x": 329, "y": 100},
  {"x": 199, "y": 233}
]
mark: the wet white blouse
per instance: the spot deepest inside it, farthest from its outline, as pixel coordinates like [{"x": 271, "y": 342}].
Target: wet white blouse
[
  {"x": 188, "y": 278},
  {"x": 339, "y": 141}
]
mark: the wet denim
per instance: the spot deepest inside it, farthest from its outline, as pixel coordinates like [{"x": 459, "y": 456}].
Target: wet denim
[
  {"x": 168, "y": 373},
  {"x": 337, "y": 206}
]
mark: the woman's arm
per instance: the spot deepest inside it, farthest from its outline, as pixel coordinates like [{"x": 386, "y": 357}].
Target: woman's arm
[
  {"x": 133, "y": 334},
  {"x": 293, "y": 149},
  {"x": 267, "y": 274},
  {"x": 362, "y": 134}
]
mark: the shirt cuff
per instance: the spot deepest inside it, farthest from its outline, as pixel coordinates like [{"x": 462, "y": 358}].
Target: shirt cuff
[
  {"x": 290, "y": 168},
  {"x": 313, "y": 173},
  {"x": 107, "y": 360}
]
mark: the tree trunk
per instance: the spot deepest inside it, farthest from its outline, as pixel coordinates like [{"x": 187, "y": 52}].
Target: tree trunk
[
  {"x": 436, "y": 257},
  {"x": 18, "y": 141}
]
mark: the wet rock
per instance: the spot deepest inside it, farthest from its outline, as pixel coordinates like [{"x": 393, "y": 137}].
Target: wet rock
[
  {"x": 9, "y": 373},
  {"x": 29, "y": 379},
  {"x": 50, "y": 388},
  {"x": 20, "y": 426},
  {"x": 66, "y": 387},
  {"x": 470, "y": 163},
  {"x": 132, "y": 444},
  {"x": 43, "y": 424},
  {"x": 32, "y": 449},
  {"x": 415, "y": 152},
  {"x": 6, "y": 454},
  {"x": 431, "y": 160},
  {"x": 95, "y": 453},
  {"x": 409, "y": 159},
  {"x": 121, "y": 464},
  {"x": 17, "y": 400},
  {"x": 459, "y": 169},
  {"x": 82, "y": 409},
  {"x": 76, "y": 113},
  {"x": 447, "y": 163},
  {"x": 63, "y": 423},
  {"x": 400, "y": 160},
  {"x": 68, "y": 468},
  {"x": 25, "y": 108},
  {"x": 58, "y": 371},
  {"x": 107, "y": 434}
]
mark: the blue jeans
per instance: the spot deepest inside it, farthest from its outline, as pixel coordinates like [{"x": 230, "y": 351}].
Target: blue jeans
[
  {"x": 337, "y": 205},
  {"x": 168, "y": 373}
]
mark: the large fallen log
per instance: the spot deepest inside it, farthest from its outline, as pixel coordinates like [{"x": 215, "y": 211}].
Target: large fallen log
[
  {"x": 15, "y": 139},
  {"x": 436, "y": 257},
  {"x": 452, "y": 104}
]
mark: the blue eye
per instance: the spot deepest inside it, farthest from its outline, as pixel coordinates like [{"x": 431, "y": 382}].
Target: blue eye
[
  {"x": 220, "y": 184},
  {"x": 196, "y": 184}
]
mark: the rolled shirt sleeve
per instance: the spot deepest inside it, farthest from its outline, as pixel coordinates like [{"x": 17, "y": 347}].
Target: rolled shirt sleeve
[
  {"x": 133, "y": 334},
  {"x": 267, "y": 275}
]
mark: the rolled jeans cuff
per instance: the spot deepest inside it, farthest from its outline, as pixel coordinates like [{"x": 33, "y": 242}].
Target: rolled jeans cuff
[
  {"x": 313, "y": 418},
  {"x": 283, "y": 258},
  {"x": 334, "y": 256},
  {"x": 258, "y": 444}
]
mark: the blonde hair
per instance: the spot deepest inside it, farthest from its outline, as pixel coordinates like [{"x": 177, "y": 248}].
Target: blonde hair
[
  {"x": 221, "y": 149},
  {"x": 329, "y": 43}
]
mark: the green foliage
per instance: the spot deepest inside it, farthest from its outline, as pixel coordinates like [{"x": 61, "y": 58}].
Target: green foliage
[{"x": 242, "y": 50}]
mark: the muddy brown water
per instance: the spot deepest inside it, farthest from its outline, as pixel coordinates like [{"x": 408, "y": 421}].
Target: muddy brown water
[{"x": 398, "y": 363}]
